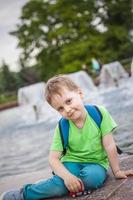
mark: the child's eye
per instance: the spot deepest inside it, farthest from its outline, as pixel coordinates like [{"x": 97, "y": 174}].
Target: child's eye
[
  {"x": 69, "y": 101},
  {"x": 60, "y": 109}
]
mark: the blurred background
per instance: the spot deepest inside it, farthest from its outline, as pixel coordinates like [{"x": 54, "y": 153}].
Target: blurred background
[
  {"x": 50, "y": 37},
  {"x": 90, "y": 40}
]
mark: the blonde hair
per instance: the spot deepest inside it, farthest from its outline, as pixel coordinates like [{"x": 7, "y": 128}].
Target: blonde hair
[{"x": 56, "y": 84}]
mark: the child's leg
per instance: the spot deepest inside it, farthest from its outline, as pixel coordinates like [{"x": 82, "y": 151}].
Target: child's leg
[
  {"x": 53, "y": 187},
  {"x": 93, "y": 175}
]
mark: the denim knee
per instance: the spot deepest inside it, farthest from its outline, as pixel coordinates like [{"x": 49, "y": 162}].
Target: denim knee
[
  {"x": 59, "y": 187},
  {"x": 93, "y": 176}
]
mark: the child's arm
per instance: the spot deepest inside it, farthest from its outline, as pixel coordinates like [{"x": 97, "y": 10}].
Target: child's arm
[
  {"x": 110, "y": 147},
  {"x": 72, "y": 182}
]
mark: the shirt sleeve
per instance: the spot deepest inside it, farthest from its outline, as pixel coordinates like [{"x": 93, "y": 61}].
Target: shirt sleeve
[
  {"x": 108, "y": 124},
  {"x": 56, "y": 142}
]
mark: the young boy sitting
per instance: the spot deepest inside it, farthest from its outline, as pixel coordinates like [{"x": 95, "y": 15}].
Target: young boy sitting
[{"x": 90, "y": 150}]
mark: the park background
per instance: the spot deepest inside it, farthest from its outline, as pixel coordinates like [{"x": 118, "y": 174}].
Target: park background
[{"x": 62, "y": 36}]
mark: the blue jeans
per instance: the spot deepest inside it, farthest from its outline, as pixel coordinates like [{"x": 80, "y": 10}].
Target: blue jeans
[{"x": 92, "y": 175}]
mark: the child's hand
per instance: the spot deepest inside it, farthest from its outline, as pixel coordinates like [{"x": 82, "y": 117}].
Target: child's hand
[
  {"x": 73, "y": 183},
  {"x": 123, "y": 174}
]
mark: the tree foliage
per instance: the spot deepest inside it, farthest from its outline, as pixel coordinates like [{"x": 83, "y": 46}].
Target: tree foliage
[
  {"x": 7, "y": 79},
  {"x": 10, "y": 82},
  {"x": 61, "y": 35}
]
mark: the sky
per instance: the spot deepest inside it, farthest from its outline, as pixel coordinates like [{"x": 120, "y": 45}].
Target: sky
[{"x": 9, "y": 17}]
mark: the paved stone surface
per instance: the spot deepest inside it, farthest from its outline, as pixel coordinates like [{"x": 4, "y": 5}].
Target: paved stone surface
[
  {"x": 125, "y": 192},
  {"x": 120, "y": 189},
  {"x": 113, "y": 189}
]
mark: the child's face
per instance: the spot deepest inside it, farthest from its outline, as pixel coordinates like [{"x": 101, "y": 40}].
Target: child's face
[{"x": 69, "y": 104}]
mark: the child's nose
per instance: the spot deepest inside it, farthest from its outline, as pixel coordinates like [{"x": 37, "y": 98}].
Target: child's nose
[{"x": 67, "y": 109}]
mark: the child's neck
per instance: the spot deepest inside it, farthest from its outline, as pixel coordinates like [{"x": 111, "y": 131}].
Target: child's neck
[{"x": 80, "y": 122}]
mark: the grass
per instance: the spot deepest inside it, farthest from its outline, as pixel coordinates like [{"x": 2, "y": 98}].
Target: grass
[{"x": 4, "y": 98}]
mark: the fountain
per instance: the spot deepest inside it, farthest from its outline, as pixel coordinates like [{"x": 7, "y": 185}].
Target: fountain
[
  {"x": 85, "y": 82},
  {"x": 112, "y": 74},
  {"x": 32, "y": 95}
]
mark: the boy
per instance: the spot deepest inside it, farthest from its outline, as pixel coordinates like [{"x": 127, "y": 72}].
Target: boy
[{"x": 84, "y": 166}]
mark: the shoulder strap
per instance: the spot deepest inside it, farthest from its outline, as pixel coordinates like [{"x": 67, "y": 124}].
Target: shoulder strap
[
  {"x": 95, "y": 114},
  {"x": 64, "y": 133}
]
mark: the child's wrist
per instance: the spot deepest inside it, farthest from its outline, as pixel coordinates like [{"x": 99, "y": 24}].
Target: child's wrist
[{"x": 116, "y": 171}]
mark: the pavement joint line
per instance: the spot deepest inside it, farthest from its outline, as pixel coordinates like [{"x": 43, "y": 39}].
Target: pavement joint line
[{"x": 117, "y": 188}]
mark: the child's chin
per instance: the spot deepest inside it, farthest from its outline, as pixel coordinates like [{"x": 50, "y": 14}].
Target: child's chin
[{"x": 75, "y": 117}]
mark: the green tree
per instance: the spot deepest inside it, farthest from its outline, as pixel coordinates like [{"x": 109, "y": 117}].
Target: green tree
[
  {"x": 61, "y": 35},
  {"x": 8, "y": 80},
  {"x": 116, "y": 16}
]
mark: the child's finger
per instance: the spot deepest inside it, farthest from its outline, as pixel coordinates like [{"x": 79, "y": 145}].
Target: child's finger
[
  {"x": 121, "y": 176},
  {"x": 129, "y": 172},
  {"x": 75, "y": 187},
  {"x": 81, "y": 185}
]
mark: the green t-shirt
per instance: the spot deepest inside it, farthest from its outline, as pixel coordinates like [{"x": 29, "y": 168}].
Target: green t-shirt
[{"x": 85, "y": 144}]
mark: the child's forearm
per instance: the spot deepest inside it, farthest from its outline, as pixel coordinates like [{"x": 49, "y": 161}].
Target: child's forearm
[
  {"x": 59, "y": 168},
  {"x": 113, "y": 158},
  {"x": 110, "y": 147},
  {"x": 73, "y": 183}
]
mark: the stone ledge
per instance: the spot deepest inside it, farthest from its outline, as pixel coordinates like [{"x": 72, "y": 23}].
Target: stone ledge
[{"x": 8, "y": 105}]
